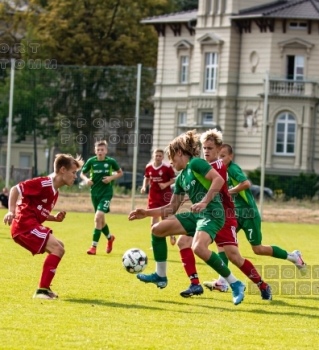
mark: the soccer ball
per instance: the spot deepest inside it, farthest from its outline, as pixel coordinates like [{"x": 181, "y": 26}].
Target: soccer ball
[{"x": 134, "y": 260}]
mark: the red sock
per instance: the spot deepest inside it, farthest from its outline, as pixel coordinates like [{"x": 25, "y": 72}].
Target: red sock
[
  {"x": 250, "y": 271},
  {"x": 189, "y": 263},
  {"x": 49, "y": 266}
]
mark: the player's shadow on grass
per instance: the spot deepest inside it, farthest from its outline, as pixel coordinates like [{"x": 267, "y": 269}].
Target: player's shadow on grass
[
  {"x": 97, "y": 302},
  {"x": 273, "y": 305}
]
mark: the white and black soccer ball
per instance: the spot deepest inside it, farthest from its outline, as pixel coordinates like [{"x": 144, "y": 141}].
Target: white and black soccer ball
[{"x": 134, "y": 260}]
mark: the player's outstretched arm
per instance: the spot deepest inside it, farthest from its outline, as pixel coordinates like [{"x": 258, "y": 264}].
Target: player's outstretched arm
[{"x": 137, "y": 214}]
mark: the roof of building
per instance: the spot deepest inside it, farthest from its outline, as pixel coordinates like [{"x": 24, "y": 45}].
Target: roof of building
[
  {"x": 182, "y": 17},
  {"x": 296, "y": 9}
]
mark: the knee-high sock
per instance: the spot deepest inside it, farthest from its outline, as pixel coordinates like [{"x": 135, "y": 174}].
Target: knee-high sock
[
  {"x": 159, "y": 245},
  {"x": 48, "y": 272},
  {"x": 189, "y": 264}
]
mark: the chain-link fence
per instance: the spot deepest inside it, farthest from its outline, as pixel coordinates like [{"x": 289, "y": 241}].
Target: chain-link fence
[{"x": 67, "y": 109}]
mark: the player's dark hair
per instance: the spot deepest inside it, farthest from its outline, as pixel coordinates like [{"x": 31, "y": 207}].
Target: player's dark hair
[
  {"x": 100, "y": 143},
  {"x": 67, "y": 160},
  {"x": 187, "y": 142},
  {"x": 228, "y": 147}
]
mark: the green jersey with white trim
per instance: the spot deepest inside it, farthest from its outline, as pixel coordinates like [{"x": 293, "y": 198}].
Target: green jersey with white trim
[
  {"x": 244, "y": 200},
  {"x": 98, "y": 169},
  {"x": 192, "y": 181}
]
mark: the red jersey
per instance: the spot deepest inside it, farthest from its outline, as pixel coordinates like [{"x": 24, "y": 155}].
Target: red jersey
[
  {"x": 160, "y": 174},
  {"x": 38, "y": 198},
  {"x": 229, "y": 208}
]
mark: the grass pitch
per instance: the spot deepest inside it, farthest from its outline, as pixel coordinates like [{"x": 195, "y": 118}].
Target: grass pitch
[{"x": 101, "y": 306}]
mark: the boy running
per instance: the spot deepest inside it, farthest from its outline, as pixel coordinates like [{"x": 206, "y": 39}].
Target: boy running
[
  {"x": 248, "y": 217},
  {"x": 101, "y": 178}
]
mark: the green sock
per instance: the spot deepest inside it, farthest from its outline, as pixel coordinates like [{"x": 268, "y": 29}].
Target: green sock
[
  {"x": 216, "y": 263},
  {"x": 106, "y": 232},
  {"x": 96, "y": 235},
  {"x": 159, "y": 245},
  {"x": 279, "y": 253},
  {"x": 223, "y": 256}
]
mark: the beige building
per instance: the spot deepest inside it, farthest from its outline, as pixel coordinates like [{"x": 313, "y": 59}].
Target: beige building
[{"x": 211, "y": 70}]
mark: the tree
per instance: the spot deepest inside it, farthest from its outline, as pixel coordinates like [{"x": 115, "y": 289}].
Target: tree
[
  {"x": 98, "y": 32},
  {"x": 31, "y": 109},
  {"x": 186, "y": 5}
]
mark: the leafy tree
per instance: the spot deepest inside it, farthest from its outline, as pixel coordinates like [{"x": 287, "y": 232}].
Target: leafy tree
[
  {"x": 31, "y": 112},
  {"x": 186, "y": 5},
  {"x": 98, "y": 32}
]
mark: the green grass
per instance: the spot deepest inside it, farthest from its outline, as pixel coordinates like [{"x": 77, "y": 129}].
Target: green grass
[{"x": 101, "y": 306}]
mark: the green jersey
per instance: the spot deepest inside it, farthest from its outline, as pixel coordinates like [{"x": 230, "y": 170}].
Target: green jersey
[
  {"x": 193, "y": 182},
  {"x": 98, "y": 169},
  {"x": 244, "y": 201}
]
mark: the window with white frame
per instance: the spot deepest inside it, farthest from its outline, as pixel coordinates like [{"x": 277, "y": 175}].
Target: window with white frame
[
  {"x": 207, "y": 118},
  {"x": 182, "y": 118},
  {"x": 285, "y": 134},
  {"x": 211, "y": 66},
  {"x": 184, "y": 69},
  {"x": 295, "y": 67}
]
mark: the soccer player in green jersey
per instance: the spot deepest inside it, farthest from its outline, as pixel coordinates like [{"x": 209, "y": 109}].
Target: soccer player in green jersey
[
  {"x": 101, "y": 169},
  {"x": 248, "y": 217},
  {"x": 206, "y": 217}
]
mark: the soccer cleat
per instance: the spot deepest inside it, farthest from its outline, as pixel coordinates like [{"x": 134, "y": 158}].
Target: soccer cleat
[
  {"x": 172, "y": 240},
  {"x": 109, "y": 246},
  {"x": 44, "y": 293},
  {"x": 238, "y": 289},
  {"x": 193, "y": 289},
  {"x": 301, "y": 265},
  {"x": 266, "y": 293},
  {"x": 91, "y": 251},
  {"x": 216, "y": 285},
  {"x": 161, "y": 282}
]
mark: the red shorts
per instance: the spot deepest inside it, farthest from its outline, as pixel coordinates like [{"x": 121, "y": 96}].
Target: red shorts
[
  {"x": 227, "y": 235},
  {"x": 34, "y": 239}
]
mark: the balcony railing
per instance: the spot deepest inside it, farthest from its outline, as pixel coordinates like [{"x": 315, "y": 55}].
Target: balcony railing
[{"x": 293, "y": 88}]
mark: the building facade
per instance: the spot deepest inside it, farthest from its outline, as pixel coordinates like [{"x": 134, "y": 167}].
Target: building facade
[{"x": 212, "y": 70}]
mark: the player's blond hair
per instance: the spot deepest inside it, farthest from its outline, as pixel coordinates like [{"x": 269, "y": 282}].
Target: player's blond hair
[
  {"x": 100, "y": 143},
  {"x": 212, "y": 135},
  {"x": 187, "y": 142},
  {"x": 67, "y": 160}
]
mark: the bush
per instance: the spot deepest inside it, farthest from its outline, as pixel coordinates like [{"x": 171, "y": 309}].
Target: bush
[{"x": 304, "y": 186}]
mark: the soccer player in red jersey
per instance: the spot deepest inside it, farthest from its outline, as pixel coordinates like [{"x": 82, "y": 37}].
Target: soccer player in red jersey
[
  {"x": 160, "y": 176},
  {"x": 38, "y": 197},
  {"x": 211, "y": 142}
]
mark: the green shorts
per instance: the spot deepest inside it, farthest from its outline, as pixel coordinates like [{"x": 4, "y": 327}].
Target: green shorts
[
  {"x": 252, "y": 229},
  {"x": 203, "y": 221},
  {"x": 101, "y": 203}
]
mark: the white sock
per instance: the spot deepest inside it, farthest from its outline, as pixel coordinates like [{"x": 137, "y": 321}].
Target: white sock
[
  {"x": 161, "y": 268},
  {"x": 231, "y": 278},
  {"x": 291, "y": 257},
  {"x": 221, "y": 279}
]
